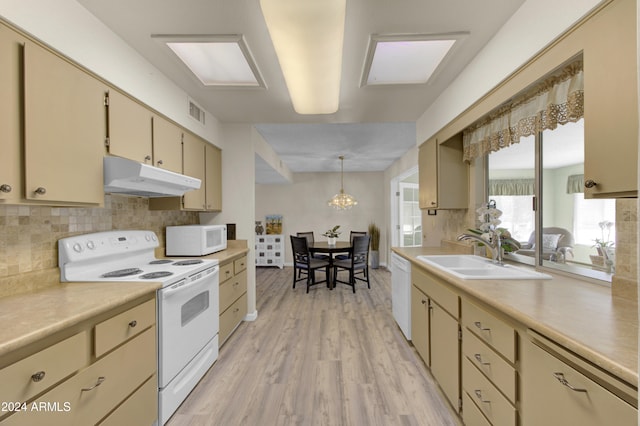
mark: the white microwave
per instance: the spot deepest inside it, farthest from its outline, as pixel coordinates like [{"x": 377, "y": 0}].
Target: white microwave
[{"x": 195, "y": 240}]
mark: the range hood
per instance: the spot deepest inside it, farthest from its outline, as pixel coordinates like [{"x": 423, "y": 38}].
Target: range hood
[{"x": 124, "y": 176}]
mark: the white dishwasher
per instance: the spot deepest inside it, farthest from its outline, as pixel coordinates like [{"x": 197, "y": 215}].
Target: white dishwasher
[{"x": 401, "y": 293}]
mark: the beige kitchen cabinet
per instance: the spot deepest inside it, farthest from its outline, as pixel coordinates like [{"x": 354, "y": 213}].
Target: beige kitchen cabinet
[
  {"x": 213, "y": 177},
  {"x": 167, "y": 144},
  {"x": 130, "y": 128},
  {"x": 203, "y": 161},
  {"x": 106, "y": 370},
  {"x": 560, "y": 389},
  {"x": 11, "y": 50},
  {"x": 443, "y": 176},
  {"x": 420, "y": 323},
  {"x": 64, "y": 122},
  {"x": 233, "y": 296},
  {"x": 489, "y": 374},
  {"x": 441, "y": 331},
  {"x": 611, "y": 102},
  {"x": 51, "y": 115}
]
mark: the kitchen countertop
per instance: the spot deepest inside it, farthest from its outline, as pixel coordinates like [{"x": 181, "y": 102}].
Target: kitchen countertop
[
  {"x": 29, "y": 317},
  {"x": 581, "y": 316}
]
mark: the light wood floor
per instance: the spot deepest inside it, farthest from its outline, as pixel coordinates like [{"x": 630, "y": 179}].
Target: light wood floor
[{"x": 323, "y": 358}]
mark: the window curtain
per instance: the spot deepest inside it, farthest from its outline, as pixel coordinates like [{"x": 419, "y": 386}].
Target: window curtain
[
  {"x": 575, "y": 184},
  {"x": 511, "y": 187},
  {"x": 558, "y": 99}
]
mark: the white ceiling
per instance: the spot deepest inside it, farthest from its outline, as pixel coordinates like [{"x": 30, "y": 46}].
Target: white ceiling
[{"x": 374, "y": 125}]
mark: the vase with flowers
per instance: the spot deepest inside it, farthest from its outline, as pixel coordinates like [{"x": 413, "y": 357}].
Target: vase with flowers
[
  {"x": 488, "y": 229},
  {"x": 332, "y": 235},
  {"x": 604, "y": 246}
]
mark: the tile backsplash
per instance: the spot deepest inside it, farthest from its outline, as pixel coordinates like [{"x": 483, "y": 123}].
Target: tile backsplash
[{"x": 29, "y": 234}]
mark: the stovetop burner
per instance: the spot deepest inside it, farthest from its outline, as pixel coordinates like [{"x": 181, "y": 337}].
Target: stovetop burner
[
  {"x": 122, "y": 273},
  {"x": 160, "y": 261},
  {"x": 154, "y": 275},
  {"x": 187, "y": 262}
]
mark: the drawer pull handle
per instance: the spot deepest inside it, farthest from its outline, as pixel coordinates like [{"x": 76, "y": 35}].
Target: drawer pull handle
[
  {"x": 478, "y": 358},
  {"x": 566, "y": 383},
  {"x": 98, "y": 383},
  {"x": 133, "y": 323},
  {"x": 36, "y": 377},
  {"x": 479, "y": 325},
  {"x": 478, "y": 393}
]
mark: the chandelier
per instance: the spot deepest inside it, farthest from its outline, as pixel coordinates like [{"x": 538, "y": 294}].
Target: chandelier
[{"x": 342, "y": 201}]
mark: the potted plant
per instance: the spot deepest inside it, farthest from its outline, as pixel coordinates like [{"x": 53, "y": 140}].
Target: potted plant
[
  {"x": 332, "y": 235},
  {"x": 374, "y": 233}
]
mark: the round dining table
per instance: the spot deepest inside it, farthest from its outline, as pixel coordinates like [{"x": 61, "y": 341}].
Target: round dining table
[{"x": 324, "y": 248}]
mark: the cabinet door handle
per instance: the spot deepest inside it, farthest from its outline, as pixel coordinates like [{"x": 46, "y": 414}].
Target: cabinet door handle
[
  {"x": 98, "y": 383},
  {"x": 479, "y": 325},
  {"x": 133, "y": 323},
  {"x": 566, "y": 383},
  {"x": 40, "y": 190},
  {"x": 478, "y": 358},
  {"x": 160, "y": 162},
  {"x": 6, "y": 188},
  {"x": 478, "y": 393},
  {"x": 147, "y": 158},
  {"x": 590, "y": 183},
  {"x": 36, "y": 377},
  {"x": 424, "y": 302}
]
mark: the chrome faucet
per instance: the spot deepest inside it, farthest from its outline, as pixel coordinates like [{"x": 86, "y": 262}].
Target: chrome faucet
[{"x": 492, "y": 243}]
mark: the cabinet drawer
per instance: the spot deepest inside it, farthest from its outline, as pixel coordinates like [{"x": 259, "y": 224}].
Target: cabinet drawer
[
  {"x": 226, "y": 271},
  {"x": 240, "y": 265},
  {"x": 231, "y": 289},
  {"x": 471, "y": 414},
  {"x": 123, "y": 370},
  {"x": 49, "y": 366},
  {"x": 141, "y": 408},
  {"x": 437, "y": 291},
  {"x": 547, "y": 398},
  {"x": 232, "y": 317},
  {"x": 118, "y": 329},
  {"x": 497, "y": 370},
  {"x": 486, "y": 397},
  {"x": 495, "y": 332}
]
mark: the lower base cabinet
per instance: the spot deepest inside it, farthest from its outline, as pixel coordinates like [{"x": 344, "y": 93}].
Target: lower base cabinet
[
  {"x": 555, "y": 392},
  {"x": 115, "y": 388},
  {"x": 233, "y": 296}
]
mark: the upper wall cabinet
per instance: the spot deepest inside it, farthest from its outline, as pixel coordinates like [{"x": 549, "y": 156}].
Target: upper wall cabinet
[
  {"x": 64, "y": 122},
  {"x": 11, "y": 50},
  {"x": 443, "y": 176},
  {"x": 167, "y": 144},
  {"x": 129, "y": 132},
  {"x": 611, "y": 102},
  {"x": 194, "y": 165},
  {"x": 213, "y": 177}
]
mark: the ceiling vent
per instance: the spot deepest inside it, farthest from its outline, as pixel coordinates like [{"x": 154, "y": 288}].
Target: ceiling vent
[{"x": 196, "y": 112}]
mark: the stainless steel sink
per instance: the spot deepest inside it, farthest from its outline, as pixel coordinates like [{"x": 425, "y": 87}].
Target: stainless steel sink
[{"x": 468, "y": 267}]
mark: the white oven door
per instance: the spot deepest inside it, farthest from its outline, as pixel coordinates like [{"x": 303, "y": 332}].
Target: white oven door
[{"x": 187, "y": 321}]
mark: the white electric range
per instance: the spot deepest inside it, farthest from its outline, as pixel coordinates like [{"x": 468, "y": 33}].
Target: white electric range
[{"x": 187, "y": 304}]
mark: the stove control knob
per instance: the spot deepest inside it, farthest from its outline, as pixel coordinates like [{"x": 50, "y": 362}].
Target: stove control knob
[
  {"x": 153, "y": 237},
  {"x": 91, "y": 245},
  {"x": 77, "y": 247},
  {"x": 147, "y": 237}
]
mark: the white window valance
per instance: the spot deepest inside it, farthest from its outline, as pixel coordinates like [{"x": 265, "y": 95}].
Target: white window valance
[
  {"x": 511, "y": 187},
  {"x": 575, "y": 184},
  {"x": 558, "y": 99}
]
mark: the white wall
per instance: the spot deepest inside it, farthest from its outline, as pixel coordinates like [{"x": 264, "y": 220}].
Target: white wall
[{"x": 303, "y": 205}]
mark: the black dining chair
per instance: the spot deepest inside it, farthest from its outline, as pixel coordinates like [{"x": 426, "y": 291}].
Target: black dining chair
[
  {"x": 302, "y": 261},
  {"x": 359, "y": 261},
  {"x": 352, "y": 235}
]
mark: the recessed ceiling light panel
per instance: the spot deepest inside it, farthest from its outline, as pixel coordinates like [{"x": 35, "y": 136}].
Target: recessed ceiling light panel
[
  {"x": 405, "y": 59},
  {"x": 215, "y": 60}
]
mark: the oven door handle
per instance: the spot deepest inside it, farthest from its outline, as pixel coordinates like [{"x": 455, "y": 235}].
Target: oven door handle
[{"x": 184, "y": 285}]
